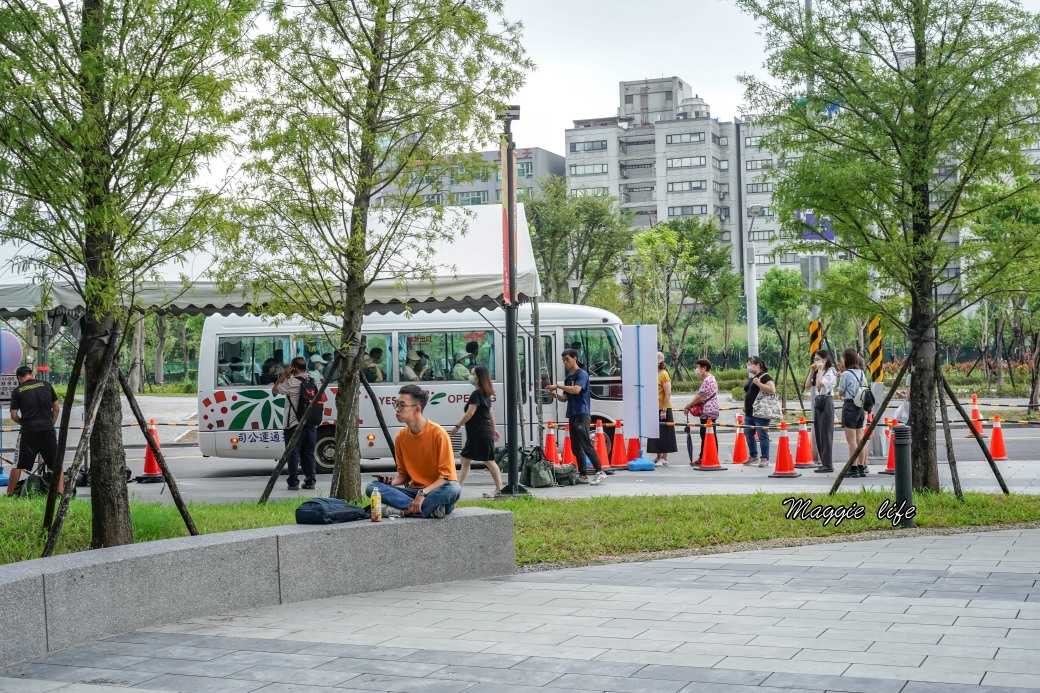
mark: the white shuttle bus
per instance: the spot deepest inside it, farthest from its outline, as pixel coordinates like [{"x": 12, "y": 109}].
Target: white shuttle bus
[{"x": 240, "y": 357}]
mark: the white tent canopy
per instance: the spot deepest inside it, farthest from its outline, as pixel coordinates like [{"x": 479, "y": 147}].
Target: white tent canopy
[{"x": 467, "y": 272}]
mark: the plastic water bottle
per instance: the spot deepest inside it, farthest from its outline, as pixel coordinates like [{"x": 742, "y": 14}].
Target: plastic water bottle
[{"x": 377, "y": 506}]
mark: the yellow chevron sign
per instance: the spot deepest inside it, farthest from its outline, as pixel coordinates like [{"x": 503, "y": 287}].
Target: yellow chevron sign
[
  {"x": 876, "y": 374},
  {"x": 815, "y": 337}
]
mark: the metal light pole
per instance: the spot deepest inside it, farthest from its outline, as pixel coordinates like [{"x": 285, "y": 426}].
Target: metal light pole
[
  {"x": 512, "y": 486},
  {"x": 574, "y": 284},
  {"x": 751, "y": 284}
]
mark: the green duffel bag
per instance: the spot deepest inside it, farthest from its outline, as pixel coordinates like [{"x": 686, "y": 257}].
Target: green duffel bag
[{"x": 566, "y": 474}]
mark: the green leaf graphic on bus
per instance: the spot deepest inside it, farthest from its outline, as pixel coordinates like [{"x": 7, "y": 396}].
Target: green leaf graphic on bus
[
  {"x": 437, "y": 397},
  {"x": 254, "y": 394},
  {"x": 239, "y": 422}
]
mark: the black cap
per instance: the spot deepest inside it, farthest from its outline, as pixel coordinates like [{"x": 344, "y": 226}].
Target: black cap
[{"x": 23, "y": 371}]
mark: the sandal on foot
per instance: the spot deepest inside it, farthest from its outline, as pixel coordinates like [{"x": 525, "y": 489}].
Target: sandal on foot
[{"x": 491, "y": 495}]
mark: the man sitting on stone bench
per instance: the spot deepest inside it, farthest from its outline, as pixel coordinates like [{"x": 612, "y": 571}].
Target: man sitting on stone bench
[{"x": 425, "y": 483}]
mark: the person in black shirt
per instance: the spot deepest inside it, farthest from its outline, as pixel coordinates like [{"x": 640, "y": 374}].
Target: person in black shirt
[
  {"x": 758, "y": 381},
  {"x": 479, "y": 420},
  {"x": 34, "y": 405}
]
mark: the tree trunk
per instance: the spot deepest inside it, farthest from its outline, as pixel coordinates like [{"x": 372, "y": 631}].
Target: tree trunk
[
  {"x": 160, "y": 349},
  {"x": 1034, "y": 390},
  {"x": 136, "y": 377},
  {"x": 922, "y": 392},
  {"x": 348, "y": 444},
  {"x": 110, "y": 504},
  {"x": 998, "y": 349}
]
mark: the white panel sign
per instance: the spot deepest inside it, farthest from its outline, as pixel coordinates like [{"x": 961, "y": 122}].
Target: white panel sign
[
  {"x": 8, "y": 383},
  {"x": 639, "y": 380}
]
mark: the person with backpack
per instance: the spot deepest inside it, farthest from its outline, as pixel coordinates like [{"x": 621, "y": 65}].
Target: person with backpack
[
  {"x": 756, "y": 429},
  {"x": 479, "y": 419},
  {"x": 300, "y": 390},
  {"x": 852, "y": 381},
  {"x": 823, "y": 376}
]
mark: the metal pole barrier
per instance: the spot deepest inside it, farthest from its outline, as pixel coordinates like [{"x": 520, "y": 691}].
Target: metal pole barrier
[{"x": 904, "y": 473}]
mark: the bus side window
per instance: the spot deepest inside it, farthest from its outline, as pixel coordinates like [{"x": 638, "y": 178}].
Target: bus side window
[
  {"x": 446, "y": 356},
  {"x": 376, "y": 362},
  {"x": 548, "y": 368}
]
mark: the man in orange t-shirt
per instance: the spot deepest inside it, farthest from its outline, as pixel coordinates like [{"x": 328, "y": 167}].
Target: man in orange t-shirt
[{"x": 425, "y": 483}]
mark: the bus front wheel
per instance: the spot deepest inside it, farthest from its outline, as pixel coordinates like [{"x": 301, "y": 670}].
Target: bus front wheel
[{"x": 325, "y": 450}]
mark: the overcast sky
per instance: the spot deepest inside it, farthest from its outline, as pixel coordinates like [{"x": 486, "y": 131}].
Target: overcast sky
[{"x": 584, "y": 48}]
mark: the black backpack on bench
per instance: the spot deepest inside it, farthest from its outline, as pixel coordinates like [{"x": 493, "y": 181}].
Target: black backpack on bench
[{"x": 326, "y": 511}]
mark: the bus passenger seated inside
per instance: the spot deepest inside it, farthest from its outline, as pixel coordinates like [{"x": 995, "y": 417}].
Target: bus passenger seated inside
[
  {"x": 412, "y": 370},
  {"x": 460, "y": 371}
]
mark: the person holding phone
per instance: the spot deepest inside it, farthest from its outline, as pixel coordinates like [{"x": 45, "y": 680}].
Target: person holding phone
[
  {"x": 288, "y": 384},
  {"x": 425, "y": 484},
  {"x": 821, "y": 381}
]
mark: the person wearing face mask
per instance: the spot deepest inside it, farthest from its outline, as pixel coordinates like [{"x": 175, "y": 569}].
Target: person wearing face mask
[
  {"x": 288, "y": 384},
  {"x": 479, "y": 419},
  {"x": 461, "y": 369},
  {"x": 758, "y": 381},
  {"x": 821, "y": 381},
  {"x": 705, "y": 404}
]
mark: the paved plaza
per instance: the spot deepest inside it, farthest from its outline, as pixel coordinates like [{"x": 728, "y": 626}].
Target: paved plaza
[{"x": 929, "y": 614}]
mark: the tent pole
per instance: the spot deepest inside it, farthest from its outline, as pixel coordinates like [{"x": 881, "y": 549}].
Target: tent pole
[{"x": 537, "y": 375}]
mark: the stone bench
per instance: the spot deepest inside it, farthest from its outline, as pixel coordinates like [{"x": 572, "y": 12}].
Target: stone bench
[{"x": 53, "y": 603}]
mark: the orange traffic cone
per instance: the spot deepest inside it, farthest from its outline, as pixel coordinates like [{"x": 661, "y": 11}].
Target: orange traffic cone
[
  {"x": 803, "y": 453},
  {"x": 617, "y": 453},
  {"x": 568, "y": 453},
  {"x": 601, "y": 443},
  {"x": 552, "y": 453},
  {"x": 740, "y": 451},
  {"x": 633, "y": 449},
  {"x": 710, "y": 461},
  {"x": 976, "y": 418},
  {"x": 996, "y": 447},
  {"x": 784, "y": 462},
  {"x": 890, "y": 468},
  {"x": 152, "y": 473}
]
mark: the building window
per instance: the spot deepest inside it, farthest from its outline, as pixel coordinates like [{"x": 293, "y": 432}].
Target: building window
[
  {"x": 757, "y": 164},
  {"x": 762, "y": 235},
  {"x": 685, "y": 137},
  {"x": 668, "y": 96},
  {"x": 686, "y": 162},
  {"x": 759, "y": 188},
  {"x": 720, "y": 164},
  {"x": 476, "y": 197},
  {"x": 628, "y": 99},
  {"x": 688, "y": 186},
  {"x": 588, "y": 169},
  {"x": 721, "y": 188},
  {"x": 789, "y": 258},
  {"x": 752, "y": 141},
  {"x": 525, "y": 169},
  {"x": 722, "y": 212},
  {"x": 767, "y": 212},
  {"x": 596, "y": 192},
  {"x": 720, "y": 141},
  {"x": 764, "y": 259},
  {"x": 688, "y": 211},
  {"x": 592, "y": 146},
  {"x": 434, "y": 199}
]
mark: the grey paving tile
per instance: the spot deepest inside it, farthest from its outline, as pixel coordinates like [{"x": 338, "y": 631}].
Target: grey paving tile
[
  {"x": 702, "y": 675},
  {"x": 201, "y": 684},
  {"x": 470, "y": 659},
  {"x": 930, "y": 674},
  {"x": 923, "y": 687},
  {"x": 785, "y": 665},
  {"x": 615, "y": 683},
  {"x": 358, "y": 651},
  {"x": 1028, "y": 681},
  {"x": 380, "y": 666},
  {"x": 249, "y": 644},
  {"x": 149, "y": 638},
  {"x": 508, "y": 688},
  {"x": 299, "y": 661},
  {"x": 11, "y": 685},
  {"x": 850, "y": 684},
  {"x": 579, "y": 666},
  {"x": 188, "y": 667},
  {"x": 74, "y": 658},
  {"x": 492, "y": 675},
  {"x": 309, "y": 677},
  {"x": 57, "y": 672},
  {"x": 199, "y": 654},
  {"x": 107, "y": 647},
  {"x": 299, "y": 688},
  {"x": 404, "y": 684}
]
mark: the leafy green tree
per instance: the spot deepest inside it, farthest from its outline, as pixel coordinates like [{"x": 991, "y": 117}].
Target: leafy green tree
[
  {"x": 782, "y": 297},
  {"x": 575, "y": 237},
  {"x": 914, "y": 105},
  {"x": 109, "y": 113},
  {"x": 680, "y": 270},
  {"x": 362, "y": 99}
]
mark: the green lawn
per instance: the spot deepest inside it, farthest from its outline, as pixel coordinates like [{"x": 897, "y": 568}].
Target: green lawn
[{"x": 568, "y": 531}]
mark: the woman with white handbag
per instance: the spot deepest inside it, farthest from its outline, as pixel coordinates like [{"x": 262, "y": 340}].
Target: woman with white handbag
[{"x": 853, "y": 379}]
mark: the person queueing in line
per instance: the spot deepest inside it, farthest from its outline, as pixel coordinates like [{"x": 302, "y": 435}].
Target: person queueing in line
[
  {"x": 665, "y": 441},
  {"x": 575, "y": 392},
  {"x": 821, "y": 381},
  {"x": 479, "y": 419},
  {"x": 425, "y": 484},
  {"x": 288, "y": 384},
  {"x": 34, "y": 407},
  {"x": 758, "y": 381},
  {"x": 852, "y": 416},
  {"x": 707, "y": 401}
]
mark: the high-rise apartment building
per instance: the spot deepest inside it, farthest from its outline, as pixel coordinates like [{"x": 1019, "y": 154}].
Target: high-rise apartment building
[
  {"x": 531, "y": 165},
  {"x": 663, "y": 156}
]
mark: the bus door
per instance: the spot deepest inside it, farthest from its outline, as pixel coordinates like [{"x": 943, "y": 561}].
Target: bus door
[{"x": 551, "y": 407}]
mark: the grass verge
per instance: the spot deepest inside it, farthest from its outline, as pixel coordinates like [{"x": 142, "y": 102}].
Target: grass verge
[{"x": 566, "y": 531}]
